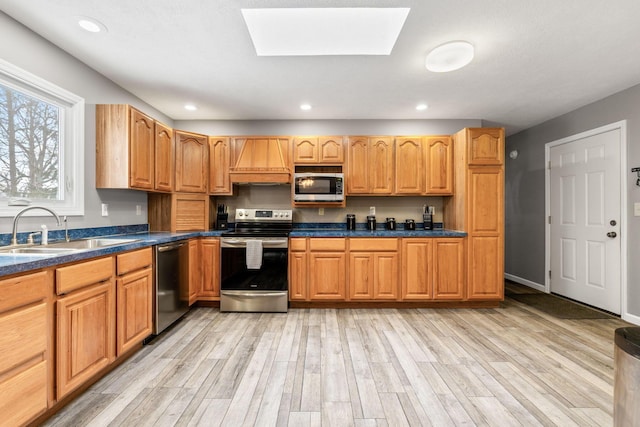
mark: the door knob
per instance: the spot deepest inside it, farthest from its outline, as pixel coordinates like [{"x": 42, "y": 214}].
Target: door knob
[{"x": 612, "y": 234}]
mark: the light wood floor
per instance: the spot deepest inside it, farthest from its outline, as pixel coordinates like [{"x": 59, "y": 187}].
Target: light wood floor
[{"x": 508, "y": 366}]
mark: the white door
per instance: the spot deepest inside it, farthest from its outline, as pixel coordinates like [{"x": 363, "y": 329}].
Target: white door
[{"x": 585, "y": 220}]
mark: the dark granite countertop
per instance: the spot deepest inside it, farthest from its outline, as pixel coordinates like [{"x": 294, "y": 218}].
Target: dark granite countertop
[{"x": 342, "y": 232}]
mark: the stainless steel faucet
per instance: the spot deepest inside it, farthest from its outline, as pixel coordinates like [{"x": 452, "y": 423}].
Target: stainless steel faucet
[{"x": 14, "y": 236}]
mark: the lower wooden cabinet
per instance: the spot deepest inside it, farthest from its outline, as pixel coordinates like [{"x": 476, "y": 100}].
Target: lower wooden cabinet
[
  {"x": 327, "y": 269},
  {"x": 86, "y": 326},
  {"x": 209, "y": 289},
  {"x": 134, "y": 298},
  {"x": 26, "y": 374},
  {"x": 449, "y": 277},
  {"x": 373, "y": 269},
  {"x": 195, "y": 277},
  {"x": 417, "y": 275}
]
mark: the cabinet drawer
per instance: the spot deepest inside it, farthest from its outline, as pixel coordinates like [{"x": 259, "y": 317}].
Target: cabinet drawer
[
  {"x": 330, "y": 244},
  {"x": 132, "y": 261},
  {"x": 24, "y": 395},
  {"x": 83, "y": 274},
  {"x": 23, "y": 290},
  {"x": 373, "y": 245},
  {"x": 24, "y": 335},
  {"x": 298, "y": 244}
]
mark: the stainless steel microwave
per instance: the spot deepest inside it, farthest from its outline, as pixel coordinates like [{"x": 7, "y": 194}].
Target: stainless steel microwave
[{"x": 318, "y": 187}]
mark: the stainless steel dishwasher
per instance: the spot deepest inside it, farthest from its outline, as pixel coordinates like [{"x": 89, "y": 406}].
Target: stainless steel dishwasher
[{"x": 172, "y": 284}]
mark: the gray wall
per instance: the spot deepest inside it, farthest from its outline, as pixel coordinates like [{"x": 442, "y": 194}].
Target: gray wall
[
  {"x": 525, "y": 187},
  {"x": 27, "y": 50}
]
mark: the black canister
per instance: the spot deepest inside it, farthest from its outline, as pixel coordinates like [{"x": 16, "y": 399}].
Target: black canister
[
  {"x": 409, "y": 224},
  {"x": 351, "y": 222},
  {"x": 391, "y": 223},
  {"x": 371, "y": 222}
]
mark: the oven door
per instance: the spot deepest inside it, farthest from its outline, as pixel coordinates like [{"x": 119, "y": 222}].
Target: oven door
[{"x": 254, "y": 290}]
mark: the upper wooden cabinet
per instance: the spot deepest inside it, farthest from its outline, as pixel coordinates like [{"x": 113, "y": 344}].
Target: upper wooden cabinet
[
  {"x": 164, "y": 165},
  {"x": 439, "y": 165},
  {"x": 192, "y": 162},
  {"x": 219, "y": 164},
  {"x": 370, "y": 165},
  {"x": 177, "y": 212},
  {"x": 410, "y": 165},
  {"x": 126, "y": 137},
  {"x": 261, "y": 159},
  {"x": 485, "y": 146},
  {"x": 318, "y": 150}
]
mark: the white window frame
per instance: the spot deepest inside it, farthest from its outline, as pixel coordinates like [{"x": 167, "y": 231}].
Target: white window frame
[{"x": 71, "y": 157}]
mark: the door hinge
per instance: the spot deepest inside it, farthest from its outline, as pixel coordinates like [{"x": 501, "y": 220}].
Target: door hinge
[
  {"x": 549, "y": 274},
  {"x": 549, "y": 219},
  {"x": 549, "y": 165}
]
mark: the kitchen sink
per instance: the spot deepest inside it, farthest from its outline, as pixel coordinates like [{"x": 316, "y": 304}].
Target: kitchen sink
[
  {"x": 93, "y": 243},
  {"x": 37, "y": 250}
]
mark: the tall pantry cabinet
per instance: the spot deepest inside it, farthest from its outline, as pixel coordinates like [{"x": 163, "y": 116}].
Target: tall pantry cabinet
[{"x": 478, "y": 208}]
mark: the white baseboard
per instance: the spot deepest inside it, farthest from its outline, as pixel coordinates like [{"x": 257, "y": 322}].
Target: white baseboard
[
  {"x": 525, "y": 282},
  {"x": 631, "y": 318}
]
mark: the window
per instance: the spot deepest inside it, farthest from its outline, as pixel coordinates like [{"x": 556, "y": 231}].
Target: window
[{"x": 41, "y": 145}]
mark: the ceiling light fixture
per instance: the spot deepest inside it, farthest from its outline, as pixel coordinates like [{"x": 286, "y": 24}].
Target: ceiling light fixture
[
  {"x": 91, "y": 25},
  {"x": 450, "y": 56},
  {"x": 421, "y": 107},
  {"x": 190, "y": 107},
  {"x": 305, "y": 107},
  {"x": 324, "y": 31}
]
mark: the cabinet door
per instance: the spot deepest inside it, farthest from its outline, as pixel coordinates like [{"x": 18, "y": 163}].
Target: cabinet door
[
  {"x": 220, "y": 162},
  {"x": 327, "y": 272},
  {"x": 192, "y": 162},
  {"x": 409, "y": 166},
  {"x": 305, "y": 150},
  {"x": 439, "y": 161},
  {"x": 449, "y": 278},
  {"x": 486, "y": 146},
  {"x": 417, "y": 281},
  {"x": 358, "y": 166},
  {"x": 209, "y": 269},
  {"x": 361, "y": 275},
  {"x": 330, "y": 149},
  {"x": 195, "y": 276},
  {"x": 86, "y": 323},
  {"x": 385, "y": 276},
  {"x": 298, "y": 268},
  {"x": 134, "y": 297},
  {"x": 142, "y": 153},
  {"x": 381, "y": 166},
  {"x": 164, "y": 151}
]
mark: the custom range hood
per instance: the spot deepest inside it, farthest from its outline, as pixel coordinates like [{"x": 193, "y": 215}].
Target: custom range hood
[{"x": 261, "y": 160}]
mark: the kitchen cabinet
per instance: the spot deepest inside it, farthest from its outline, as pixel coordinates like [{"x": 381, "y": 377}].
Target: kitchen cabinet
[
  {"x": 209, "y": 289},
  {"x": 195, "y": 278},
  {"x": 439, "y": 165},
  {"x": 86, "y": 322},
  {"x": 134, "y": 298},
  {"x": 164, "y": 164},
  {"x": 26, "y": 372},
  {"x": 298, "y": 269},
  {"x": 449, "y": 277},
  {"x": 373, "y": 269},
  {"x": 192, "y": 162},
  {"x": 477, "y": 207},
  {"x": 410, "y": 165},
  {"x": 417, "y": 275},
  {"x": 370, "y": 165},
  {"x": 327, "y": 269},
  {"x": 127, "y": 138},
  {"x": 219, "y": 164},
  {"x": 177, "y": 212},
  {"x": 318, "y": 150}
]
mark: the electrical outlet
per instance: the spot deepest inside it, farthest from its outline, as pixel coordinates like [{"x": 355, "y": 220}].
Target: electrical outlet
[
  {"x": 636, "y": 209},
  {"x": 138, "y": 210},
  {"x": 372, "y": 210},
  {"x": 321, "y": 211},
  {"x": 105, "y": 209}
]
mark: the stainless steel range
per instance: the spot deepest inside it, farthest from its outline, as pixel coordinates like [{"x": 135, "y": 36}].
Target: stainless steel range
[{"x": 254, "y": 261}]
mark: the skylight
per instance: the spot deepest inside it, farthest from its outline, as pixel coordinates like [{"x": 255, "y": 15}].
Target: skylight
[{"x": 324, "y": 31}]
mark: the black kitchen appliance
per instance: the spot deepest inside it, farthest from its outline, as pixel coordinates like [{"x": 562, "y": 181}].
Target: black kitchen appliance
[
  {"x": 351, "y": 222},
  {"x": 371, "y": 222},
  {"x": 409, "y": 224},
  {"x": 254, "y": 261},
  {"x": 390, "y": 224}
]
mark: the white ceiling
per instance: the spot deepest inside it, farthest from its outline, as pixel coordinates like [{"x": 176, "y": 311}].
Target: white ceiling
[{"x": 534, "y": 59}]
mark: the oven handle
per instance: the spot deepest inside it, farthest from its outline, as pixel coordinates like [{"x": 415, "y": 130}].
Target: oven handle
[
  {"x": 264, "y": 242},
  {"x": 254, "y": 294}
]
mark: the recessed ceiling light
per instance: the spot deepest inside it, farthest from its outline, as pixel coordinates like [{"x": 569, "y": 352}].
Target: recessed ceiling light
[
  {"x": 91, "y": 25},
  {"x": 305, "y": 107},
  {"x": 450, "y": 56},
  {"x": 324, "y": 31},
  {"x": 421, "y": 107},
  {"x": 190, "y": 107}
]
